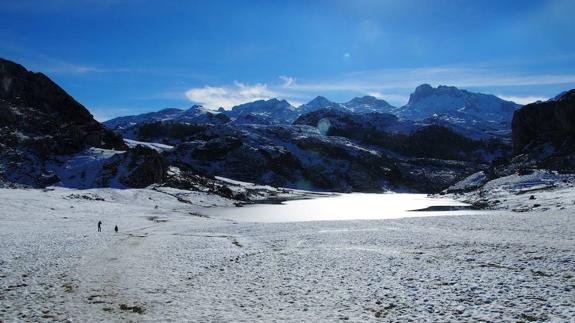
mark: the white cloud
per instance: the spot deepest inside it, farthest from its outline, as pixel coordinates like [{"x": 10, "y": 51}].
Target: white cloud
[
  {"x": 394, "y": 98},
  {"x": 229, "y": 96},
  {"x": 522, "y": 99},
  {"x": 346, "y": 55},
  {"x": 287, "y": 81}
]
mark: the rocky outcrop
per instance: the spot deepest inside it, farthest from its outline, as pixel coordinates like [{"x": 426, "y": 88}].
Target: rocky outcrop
[
  {"x": 145, "y": 167},
  {"x": 544, "y": 134},
  {"x": 545, "y": 123},
  {"x": 45, "y": 117},
  {"x": 39, "y": 120}
]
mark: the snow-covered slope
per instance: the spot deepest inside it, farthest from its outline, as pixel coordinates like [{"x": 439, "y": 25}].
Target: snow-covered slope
[{"x": 540, "y": 190}]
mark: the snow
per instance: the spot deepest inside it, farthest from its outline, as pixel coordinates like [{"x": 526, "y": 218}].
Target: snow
[
  {"x": 541, "y": 190},
  {"x": 170, "y": 262},
  {"x": 82, "y": 170},
  {"x": 471, "y": 182},
  {"x": 153, "y": 145}
]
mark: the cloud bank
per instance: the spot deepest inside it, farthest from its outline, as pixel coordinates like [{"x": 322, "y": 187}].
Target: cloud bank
[{"x": 229, "y": 96}]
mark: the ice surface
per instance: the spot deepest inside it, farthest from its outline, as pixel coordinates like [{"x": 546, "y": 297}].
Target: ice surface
[{"x": 355, "y": 206}]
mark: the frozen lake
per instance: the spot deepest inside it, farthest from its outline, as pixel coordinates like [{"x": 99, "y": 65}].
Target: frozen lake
[{"x": 355, "y": 206}]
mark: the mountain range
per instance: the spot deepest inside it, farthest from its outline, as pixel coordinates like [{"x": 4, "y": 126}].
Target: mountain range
[
  {"x": 474, "y": 115},
  {"x": 440, "y": 136}
]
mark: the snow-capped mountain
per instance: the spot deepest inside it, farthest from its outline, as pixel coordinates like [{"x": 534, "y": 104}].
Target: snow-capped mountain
[
  {"x": 369, "y": 104},
  {"x": 265, "y": 112},
  {"x": 364, "y": 104},
  {"x": 463, "y": 109},
  {"x": 195, "y": 114},
  {"x": 272, "y": 111}
]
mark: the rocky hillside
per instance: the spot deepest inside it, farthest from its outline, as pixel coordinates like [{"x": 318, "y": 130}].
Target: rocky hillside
[
  {"x": 545, "y": 132},
  {"x": 38, "y": 113},
  {"x": 39, "y": 120},
  {"x": 305, "y": 156},
  {"x": 47, "y": 137}
]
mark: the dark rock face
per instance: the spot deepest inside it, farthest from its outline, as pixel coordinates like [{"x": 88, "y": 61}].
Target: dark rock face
[
  {"x": 144, "y": 167},
  {"x": 161, "y": 131},
  {"x": 551, "y": 122},
  {"x": 39, "y": 120},
  {"x": 544, "y": 135},
  {"x": 52, "y": 121}
]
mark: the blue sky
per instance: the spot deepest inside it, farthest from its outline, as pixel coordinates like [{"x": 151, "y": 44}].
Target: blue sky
[{"x": 121, "y": 57}]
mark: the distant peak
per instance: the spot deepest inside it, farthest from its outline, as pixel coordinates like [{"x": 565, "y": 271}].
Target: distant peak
[
  {"x": 366, "y": 99},
  {"x": 195, "y": 107},
  {"x": 423, "y": 88},
  {"x": 319, "y": 102},
  {"x": 320, "y": 98}
]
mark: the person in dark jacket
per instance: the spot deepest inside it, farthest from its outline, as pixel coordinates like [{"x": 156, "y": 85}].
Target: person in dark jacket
[
  {"x": 99, "y": 226},
  {"x": 116, "y": 228}
]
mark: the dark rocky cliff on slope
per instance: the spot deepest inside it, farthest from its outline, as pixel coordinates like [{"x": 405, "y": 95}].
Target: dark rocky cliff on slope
[
  {"x": 544, "y": 132},
  {"x": 39, "y": 120},
  {"x": 38, "y": 109},
  {"x": 550, "y": 122}
]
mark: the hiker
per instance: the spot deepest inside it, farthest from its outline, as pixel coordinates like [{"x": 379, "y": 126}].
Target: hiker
[
  {"x": 99, "y": 226},
  {"x": 116, "y": 228}
]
